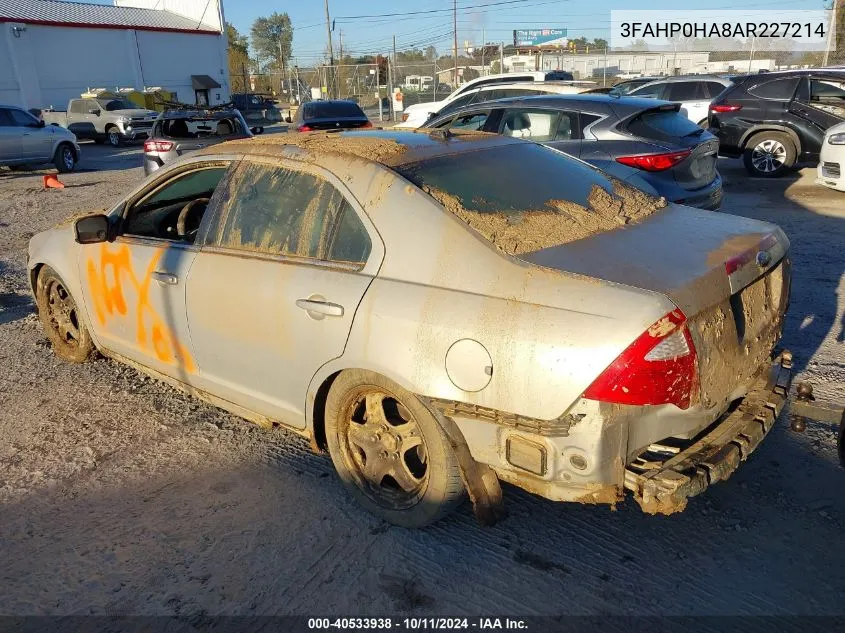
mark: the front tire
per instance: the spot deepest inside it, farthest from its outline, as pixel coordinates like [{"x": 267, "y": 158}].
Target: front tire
[
  {"x": 389, "y": 450},
  {"x": 769, "y": 154},
  {"x": 61, "y": 319},
  {"x": 65, "y": 158},
  {"x": 113, "y": 136}
]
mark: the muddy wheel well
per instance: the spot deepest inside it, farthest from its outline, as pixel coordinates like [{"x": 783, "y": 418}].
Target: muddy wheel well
[
  {"x": 318, "y": 416},
  {"x": 33, "y": 280}
]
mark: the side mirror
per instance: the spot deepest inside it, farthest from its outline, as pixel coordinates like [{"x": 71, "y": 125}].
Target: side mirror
[
  {"x": 94, "y": 111},
  {"x": 41, "y": 123},
  {"x": 92, "y": 229},
  {"x": 288, "y": 119}
]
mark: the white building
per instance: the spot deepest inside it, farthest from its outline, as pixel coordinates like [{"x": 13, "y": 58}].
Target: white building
[
  {"x": 52, "y": 51},
  {"x": 589, "y": 65}
]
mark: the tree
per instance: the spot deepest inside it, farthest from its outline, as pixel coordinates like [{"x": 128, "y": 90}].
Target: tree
[
  {"x": 239, "y": 61},
  {"x": 272, "y": 40},
  {"x": 430, "y": 54}
]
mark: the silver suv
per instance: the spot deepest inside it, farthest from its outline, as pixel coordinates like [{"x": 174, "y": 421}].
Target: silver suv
[
  {"x": 25, "y": 140},
  {"x": 177, "y": 132}
]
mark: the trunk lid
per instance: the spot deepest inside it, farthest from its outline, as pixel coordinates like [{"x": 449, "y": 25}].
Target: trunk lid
[
  {"x": 336, "y": 123},
  {"x": 730, "y": 276}
]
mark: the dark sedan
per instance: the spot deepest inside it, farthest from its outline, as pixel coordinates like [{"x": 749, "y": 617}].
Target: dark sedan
[
  {"x": 329, "y": 115},
  {"x": 645, "y": 142}
]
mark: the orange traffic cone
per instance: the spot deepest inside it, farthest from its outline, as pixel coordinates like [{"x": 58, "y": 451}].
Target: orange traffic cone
[{"x": 52, "y": 182}]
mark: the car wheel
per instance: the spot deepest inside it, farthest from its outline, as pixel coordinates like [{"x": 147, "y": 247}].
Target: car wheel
[
  {"x": 703, "y": 124},
  {"x": 65, "y": 159},
  {"x": 769, "y": 154},
  {"x": 389, "y": 450},
  {"x": 113, "y": 136},
  {"x": 61, "y": 319},
  {"x": 258, "y": 130}
]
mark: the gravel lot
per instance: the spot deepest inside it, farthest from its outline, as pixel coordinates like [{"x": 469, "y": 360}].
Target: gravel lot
[{"x": 122, "y": 496}]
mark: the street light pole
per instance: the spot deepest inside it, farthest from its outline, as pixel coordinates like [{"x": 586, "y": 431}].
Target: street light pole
[
  {"x": 455, "y": 33},
  {"x": 331, "y": 53}
]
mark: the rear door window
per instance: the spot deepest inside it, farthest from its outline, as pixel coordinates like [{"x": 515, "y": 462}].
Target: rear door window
[
  {"x": 539, "y": 125},
  {"x": 350, "y": 242},
  {"x": 649, "y": 91},
  {"x": 472, "y": 121},
  {"x": 828, "y": 95},
  {"x": 5, "y": 118},
  {"x": 279, "y": 211},
  {"x": 713, "y": 89},
  {"x": 684, "y": 91},
  {"x": 777, "y": 89}
]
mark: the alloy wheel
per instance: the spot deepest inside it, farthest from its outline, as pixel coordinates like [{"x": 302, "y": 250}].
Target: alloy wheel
[
  {"x": 768, "y": 156},
  {"x": 63, "y": 316}
]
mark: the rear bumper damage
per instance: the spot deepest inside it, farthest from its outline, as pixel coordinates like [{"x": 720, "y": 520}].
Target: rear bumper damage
[{"x": 663, "y": 486}]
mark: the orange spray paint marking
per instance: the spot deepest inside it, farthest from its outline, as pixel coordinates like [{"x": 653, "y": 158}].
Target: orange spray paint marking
[{"x": 110, "y": 281}]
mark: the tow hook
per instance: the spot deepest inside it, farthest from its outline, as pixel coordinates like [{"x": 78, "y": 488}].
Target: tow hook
[{"x": 806, "y": 406}]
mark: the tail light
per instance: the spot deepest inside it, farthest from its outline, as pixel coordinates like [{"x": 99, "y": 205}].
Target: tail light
[
  {"x": 657, "y": 368},
  {"x": 404, "y": 117},
  {"x": 367, "y": 124},
  {"x": 158, "y": 146},
  {"x": 725, "y": 107},
  {"x": 654, "y": 162},
  {"x": 305, "y": 128}
]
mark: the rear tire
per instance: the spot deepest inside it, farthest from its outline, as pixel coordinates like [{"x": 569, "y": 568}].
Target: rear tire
[
  {"x": 390, "y": 451},
  {"x": 65, "y": 158},
  {"x": 769, "y": 154},
  {"x": 61, "y": 319}
]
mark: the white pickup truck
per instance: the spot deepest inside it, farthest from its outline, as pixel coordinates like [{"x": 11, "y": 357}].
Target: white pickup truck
[{"x": 103, "y": 119}]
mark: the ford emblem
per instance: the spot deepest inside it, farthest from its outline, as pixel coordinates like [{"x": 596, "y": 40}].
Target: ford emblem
[{"x": 763, "y": 259}]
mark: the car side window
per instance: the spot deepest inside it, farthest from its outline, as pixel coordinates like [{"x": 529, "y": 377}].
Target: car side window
[
  {"x": 684, "y": 91},
  {"x": 77, "y": 106},
  {"x": 157, "y": 214},
  {"x": 713, "y": 89},
  {"x": 350, "y": 243},
  {"x": 538, "y": 125},
  {"x": 585, "y": 120},
  {"x": 5, "y": 119},
  {"x": 828, "y": 95},
  {"x": 458, "y": 103},
  {"x": 778, "y": 89},
  {"x": 648, "y": 91},
  {"x": 472, "y": 121},
  {"x": 279, "y": 211},
  {"x": 22, "y": 119}
]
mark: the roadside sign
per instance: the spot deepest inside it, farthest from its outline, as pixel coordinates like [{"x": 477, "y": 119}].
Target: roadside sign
[{"x": 539, "y": 37}]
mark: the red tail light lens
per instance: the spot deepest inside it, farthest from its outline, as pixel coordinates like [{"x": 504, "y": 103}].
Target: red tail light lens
[
  {"x": 725, "y": 107},
  {"x": 654, "y": 162},
  {"x": 157, "y": 146},
  {"x": 657, "y": 368},
  {"x": 305, "y": 128},
  {"x": 367, "y": 124}
]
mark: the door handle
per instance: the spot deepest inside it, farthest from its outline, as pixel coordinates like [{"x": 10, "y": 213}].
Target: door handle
[
  {"x": 320, "y": 307},
  {"x": 165, "y": 278}
]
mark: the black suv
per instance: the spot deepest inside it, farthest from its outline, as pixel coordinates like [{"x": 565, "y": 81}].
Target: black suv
[{"x": 777, "y": 120}]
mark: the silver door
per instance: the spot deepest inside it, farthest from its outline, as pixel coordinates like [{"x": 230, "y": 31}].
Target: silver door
[
  {"x": 36, "y": 141},
  {"x": 267, "y": 303},
  {"x": 10, "y": 139}
]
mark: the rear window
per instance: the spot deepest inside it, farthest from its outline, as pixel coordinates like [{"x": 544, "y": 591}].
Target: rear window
[
  {"x": 526, "y": 197},
  {"x": 559, "y": 75},
  {"x": 199, "y": 127},
  {"x": 118, "y": 104},
  {"x": 662, "y": 124},
  {"x": 328, "y": 109}
]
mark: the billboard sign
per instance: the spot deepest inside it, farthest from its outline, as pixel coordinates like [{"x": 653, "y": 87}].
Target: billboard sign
[{"x": 539, "y": 37}]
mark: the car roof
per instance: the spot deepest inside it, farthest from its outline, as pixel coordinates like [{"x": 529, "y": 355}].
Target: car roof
[
  {"x": 676, "y": 78},
  {"x": 198, "y": 114},
  {"x": 620, "y": 105},
  {"x": 536, "y": 85},
  {"x": 796, "y": 72},
  {"x": 392, "y": 148}
]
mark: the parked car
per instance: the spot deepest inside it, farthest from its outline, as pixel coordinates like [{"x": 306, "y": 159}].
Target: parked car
[
  {"x": 329, "y": 115},
  {"x": 414, "y": 116},
  {"x": 778, "y": 120},
  {"x": 693, "y": 92},
  {"x": 646, "y": 143},
  {"x": 25, "y": 141},
  {"x": 179, "y": 132},
  {"x": 397, "y": 299},
  {"x": 832, "y": 158},
  {"x": 625, "y": 87},
  {"x": 103, "y": 119},
  {"x": 495, "y": 92},
  {"x": 259, "y": 111}
]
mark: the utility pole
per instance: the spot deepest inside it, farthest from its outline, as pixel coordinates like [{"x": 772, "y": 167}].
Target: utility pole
[
  {"x": 331, "y": 53},
  {"x": 455, "y": 33},
  {"x": 831, "y": 33},
  {"x": 378, "y": 90},
  {"x": 751, "y": 56},
  {"x": 390, "y": 73},
  {"x": 483, "y": 46},
  {"x": 338, "y": 76},
  {"x": 501, "y": 57},
  {"x": 394, "y": 76},
  {"x": 604, "y": 72}
]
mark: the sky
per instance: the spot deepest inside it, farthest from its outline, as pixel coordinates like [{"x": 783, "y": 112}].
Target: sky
[{"x": 495, "y": 19}]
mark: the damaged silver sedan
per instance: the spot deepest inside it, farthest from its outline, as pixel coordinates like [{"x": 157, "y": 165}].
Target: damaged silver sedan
[{"x": 440, "y": 313}]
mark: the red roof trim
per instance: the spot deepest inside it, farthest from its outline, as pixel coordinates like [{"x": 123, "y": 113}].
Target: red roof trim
[{"x": 120, "y": 27}]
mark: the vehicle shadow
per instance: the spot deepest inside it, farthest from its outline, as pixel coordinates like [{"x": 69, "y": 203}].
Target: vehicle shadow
[
  {"x": 813, "y": 218},
  {"x": 13, "y": 305}
]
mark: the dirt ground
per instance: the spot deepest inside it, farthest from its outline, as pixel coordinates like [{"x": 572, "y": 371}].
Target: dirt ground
[{"x": 121, "y": 496}]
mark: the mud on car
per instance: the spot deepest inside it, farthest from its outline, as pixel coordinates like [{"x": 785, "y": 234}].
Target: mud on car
[{"x": 393, "y": 297}]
